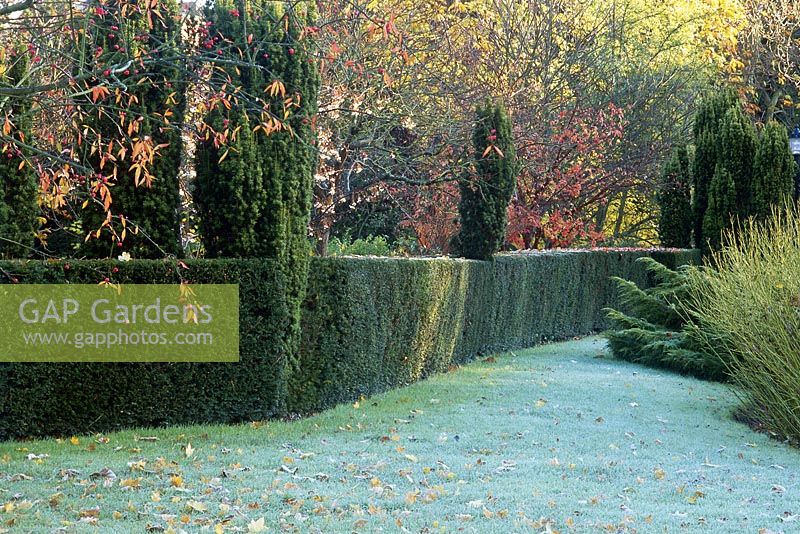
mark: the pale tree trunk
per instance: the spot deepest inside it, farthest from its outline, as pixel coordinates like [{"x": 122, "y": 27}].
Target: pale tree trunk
[{"x": 620, "y": 214}]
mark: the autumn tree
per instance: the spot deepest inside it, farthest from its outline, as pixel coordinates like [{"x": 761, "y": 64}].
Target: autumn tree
[
  {"x": 768, "y": 57},
  {"x": 485, "y": 194},
  {"x": 18, "y": 187},
  {"x": 674, "y": 200},
  {"x": 774, "y": 171}
]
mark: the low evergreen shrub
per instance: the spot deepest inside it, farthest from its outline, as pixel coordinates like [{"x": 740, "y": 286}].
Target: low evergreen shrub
[{"x": 656, "y": 328}]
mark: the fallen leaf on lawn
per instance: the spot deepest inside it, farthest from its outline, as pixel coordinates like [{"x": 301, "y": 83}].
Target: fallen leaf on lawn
[
  {"x": 176, "y": 481},
  {"x": 411, "y": 497},
  {"x": 74, "y": 440},
  {"x": 137, "y": 466},
  {"x": 659, "y": 474},
  {"x": 104, "y": 473},
  {"x": 196, "y": 506},
  {"x": 130, "y": 483},
  {"x": 189, "y": 450},
  {"x": 90, "y": 512},
  {"x": 55, "y": 499},
  {"x": 256, "y": 526},
  {"x": 778, "y": 489},
  {"x": 540, "y": 403},
  {"x": 145, "y": 438},
  {"x": 19, "y": 477}
]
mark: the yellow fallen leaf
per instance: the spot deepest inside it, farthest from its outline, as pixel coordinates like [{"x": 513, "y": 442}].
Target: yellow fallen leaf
[
  {"x": 196, "y": 506},
  {"x": 90, "y": 512},
  {"x": 540, "y": 403},
  {"x": 659, "y": 474},
  {"x": 254, "y": 527},
  {"x": 74, "y": 440},
  {"x": 176, "y": 481}
]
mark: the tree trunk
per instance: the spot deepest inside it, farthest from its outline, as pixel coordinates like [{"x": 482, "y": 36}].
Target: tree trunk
[{"x": 620, "y": 214}]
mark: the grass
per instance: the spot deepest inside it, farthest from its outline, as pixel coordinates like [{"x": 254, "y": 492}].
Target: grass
[{"x": 559, "y": 437}]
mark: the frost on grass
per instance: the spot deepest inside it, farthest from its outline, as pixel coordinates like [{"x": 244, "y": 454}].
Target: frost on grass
[{"x": 549, "y": 439}]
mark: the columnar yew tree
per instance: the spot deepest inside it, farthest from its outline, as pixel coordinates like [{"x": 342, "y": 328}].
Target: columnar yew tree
[
  {"x": 737, "y": 148},
  {"x": 706, "y": 136},
  {"x": 142, "y": 183},
  {"x": 255, "y": 166},
  {"x": 721, "y": 208},
  {"x": 773, "y": 171},
  {"x": 18, "y": 186},
  {"x": 674, "y": 200},
  {"x": 256, "y": 163},
  {"x": 485, "y": 195}
]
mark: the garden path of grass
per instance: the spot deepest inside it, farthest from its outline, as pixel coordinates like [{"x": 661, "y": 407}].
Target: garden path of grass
[{"x": 559, "y": 437}]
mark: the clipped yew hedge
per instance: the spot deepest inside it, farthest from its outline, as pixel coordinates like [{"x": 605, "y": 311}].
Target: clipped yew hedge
[
  {"x": 38, "y": 399},
  {"x": 369, "y": 324}
]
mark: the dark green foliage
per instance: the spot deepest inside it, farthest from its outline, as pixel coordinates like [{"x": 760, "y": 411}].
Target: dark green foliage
[
  {"x": 257, "y": 201},
  {"x": 373, "y": 324},
  {"x": 705, "y": 161},
  {"x": 368, "y": 325},
  {"x": 483, "y": 208},
  {"x": 653, "y": 328},
  {"x": 19, "y": 211},
  {"x": 721, "y": 210},
  {"x": 674, "y": 201},
  {"x": 737, "y": 149},
  {"x": 774, "y": 171},
  {"x": 66, "y": 399},
  {"x": 230, "y": 194},
  {"x": 706, "y": 137},
  {"x": 151, "y": 207}
]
